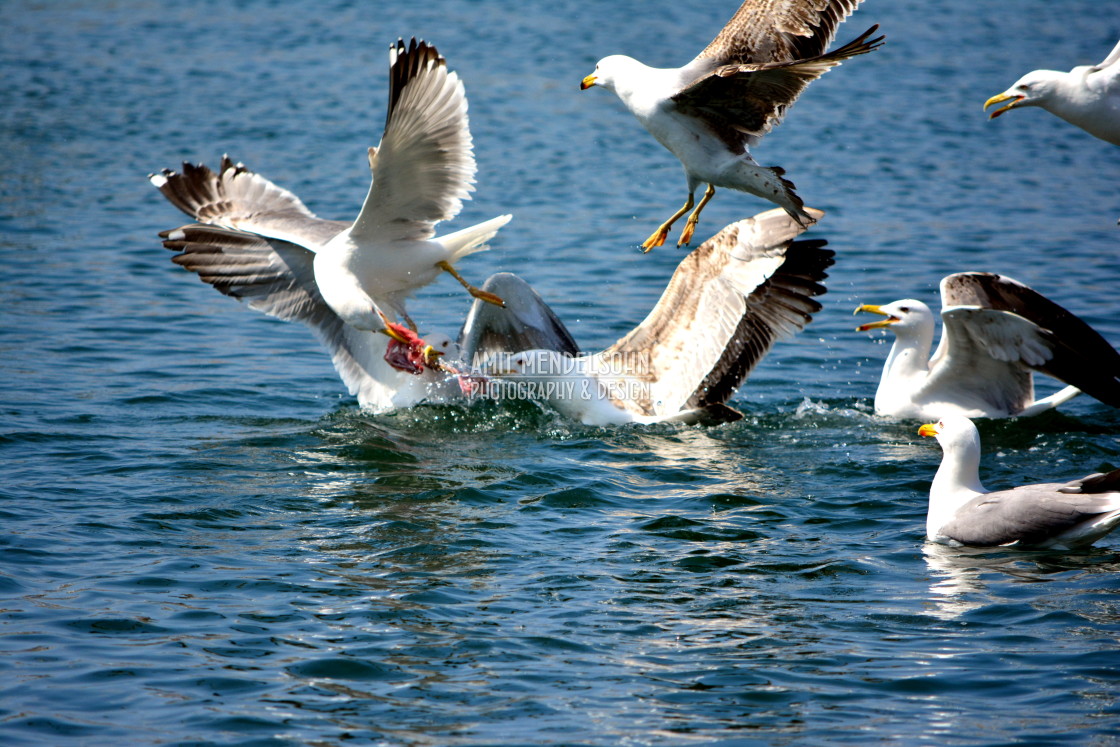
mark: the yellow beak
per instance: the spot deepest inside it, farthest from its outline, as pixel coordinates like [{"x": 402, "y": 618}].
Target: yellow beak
[
  {"x": 431, "y": 356},
  {"x": 929, "y": 429},
  {"x": 999, "y": 98},
  {"x": 587, "y": 82},
  {"x": 395, "y": 335},
  {"x": 872, "y": 308}
]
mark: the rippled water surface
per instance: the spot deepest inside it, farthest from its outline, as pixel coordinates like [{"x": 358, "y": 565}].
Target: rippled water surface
[{"x": 205, "y": 541}]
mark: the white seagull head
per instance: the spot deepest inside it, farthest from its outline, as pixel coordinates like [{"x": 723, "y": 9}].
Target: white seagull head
[
  {"x": 905, "y": 317},
  {"x": 1033, "y": 89},
  {"x": 955, "y": 433},
  {"x": 610, "y": 71}
]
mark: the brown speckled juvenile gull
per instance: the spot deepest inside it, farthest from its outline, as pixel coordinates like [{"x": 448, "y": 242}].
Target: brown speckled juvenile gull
[
  {"x": 726, "y": 305},
  {"x": 709, "y": 112}
]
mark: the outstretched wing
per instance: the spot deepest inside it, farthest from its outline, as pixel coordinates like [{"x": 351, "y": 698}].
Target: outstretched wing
[
  {"x": 750, "y": 98},
  {"x": 238, "y": 198},
  {"x": 1018, "y": 326},
  {"x": 277, "y": 278},
  {"x": 767, "y": 31},
  {"x": 424, "y": 167},
  {"x": 725, "y": 306}
]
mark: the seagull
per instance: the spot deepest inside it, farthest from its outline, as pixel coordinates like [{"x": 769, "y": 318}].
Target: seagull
[
  {"x": 1047, "y": 515},
  {"x": 1087, "y": 96},
  {"x": 995, "y": 332},
  {"x": 709, "y": 112},
  {"x": 421, "y": 172},
  {"x": 726, "y": 304},
  {"x": 278, "y": 279}
]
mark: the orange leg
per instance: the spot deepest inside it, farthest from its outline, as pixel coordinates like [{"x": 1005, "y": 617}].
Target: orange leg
[
  {"x": 476, "y": 292},
  {"x": 690, "y": 224},
  {"x": 657, "y": 238}
]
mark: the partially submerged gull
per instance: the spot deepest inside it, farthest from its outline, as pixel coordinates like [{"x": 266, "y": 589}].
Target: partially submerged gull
[
  {"x": 1055, "y": 515},
  {"x": 709, "y": 112},
  {"x": 277, "y": 278},
  {"x": 726, "y": 304},
  {"x": 995, "y": 332},
  {"x": 363, "y": 270},
  {"x": 1087, "y": 96}
]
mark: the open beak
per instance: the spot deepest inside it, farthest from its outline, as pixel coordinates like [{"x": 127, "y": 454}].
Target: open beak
[
  {"x": 872, "y": 308},
  {"x": 929, "y": 429},
  {"x": 587, "y": 82},
  {"x": 1000, "y": 98},
  {"x": 431, "y": 357}
]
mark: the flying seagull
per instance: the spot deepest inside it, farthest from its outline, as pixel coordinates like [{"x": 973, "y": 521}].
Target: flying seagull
[
  {"x": 726, "y": 304},
  {"x": 278, "y": 278},
  {"x": 995, "y": 332},
  {"x": 421, "y": 172},
  {"x": 1053, "y": 515},
  {"x": 709, "y": 112},
  {"x": 1087, "y": 96}
]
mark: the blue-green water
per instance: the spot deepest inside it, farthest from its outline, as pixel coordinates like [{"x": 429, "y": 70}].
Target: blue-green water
[{"x": 206, "y": 542}]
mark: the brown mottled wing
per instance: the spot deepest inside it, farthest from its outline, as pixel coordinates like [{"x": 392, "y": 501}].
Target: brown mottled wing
[
  {"x": 744, "y": 101},
  {"x": 1078, "y": 355},
  {"x": 725, "y": 306},
  {"x": 767, "y": 31}
]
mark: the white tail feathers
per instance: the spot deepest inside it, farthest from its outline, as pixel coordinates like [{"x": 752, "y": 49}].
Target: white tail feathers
[{"x": 473, "y": 239}]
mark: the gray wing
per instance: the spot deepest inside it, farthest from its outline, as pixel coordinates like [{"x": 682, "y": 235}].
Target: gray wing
[
  {"x": 526, "y": 323},
  {"x": 277, "y": 278},
  {"x": 725, "y": 306},
  {"x": 236, "y": 197},
  {"x": 1065, "y": 347},
  {"x": 1034, "y": 514},
  {"x": 742, "y": 101},
  {"x": 424, "y": 166}
]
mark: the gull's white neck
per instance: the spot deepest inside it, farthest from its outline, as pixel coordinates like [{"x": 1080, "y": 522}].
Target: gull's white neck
[
  {"x": 906, "y": 368},
  {"x": 1077, "y": 97},
  {"x": 644, "y": 89},
  {"x": 956, "y": 483}
]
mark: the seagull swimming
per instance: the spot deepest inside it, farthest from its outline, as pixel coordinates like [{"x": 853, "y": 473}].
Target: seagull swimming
[
  {"x": 725, "y": 306},
  {"x": 1087, "y": 96},
  {"x": 1047, "y": 515},
  {"x": 421, "y": 172},
  {"x": 995, "y": 332},
  {"x": 710, "y": 111}
]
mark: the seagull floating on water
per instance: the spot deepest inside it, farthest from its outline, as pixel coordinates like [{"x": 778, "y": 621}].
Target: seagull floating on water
[
  {"x": 1054, "y": 515},
  {"x": 995, "y": 332},
  {"x": 709, "y": 112},
  {"x": 421, "y": 172},
  {"x": 1087, "y": 96},
  {"x": 725, "y": 306}
]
